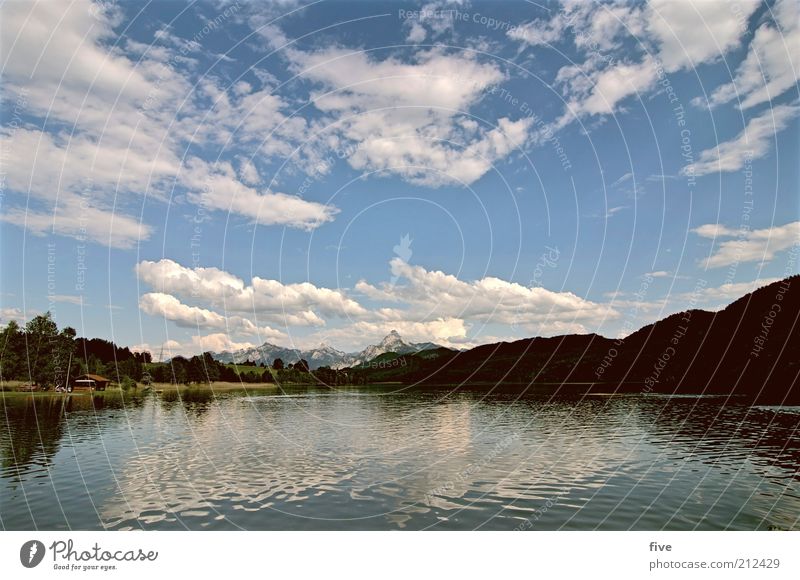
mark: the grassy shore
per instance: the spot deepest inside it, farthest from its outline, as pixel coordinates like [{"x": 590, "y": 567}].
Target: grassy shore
[
  {"x": 10, "y": 389},
  {"x": 215, "y": 386}
]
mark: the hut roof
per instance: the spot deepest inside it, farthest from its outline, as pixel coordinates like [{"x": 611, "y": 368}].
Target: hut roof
[{"x": 96, "y": 378}]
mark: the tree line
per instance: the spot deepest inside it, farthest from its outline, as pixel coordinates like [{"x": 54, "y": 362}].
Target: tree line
[
  {"x": 203, "y": 369},
  {"x": 41, "y": 353}
]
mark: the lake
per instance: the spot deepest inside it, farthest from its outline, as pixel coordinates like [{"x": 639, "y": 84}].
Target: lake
[{"x": 381, "y": 458}]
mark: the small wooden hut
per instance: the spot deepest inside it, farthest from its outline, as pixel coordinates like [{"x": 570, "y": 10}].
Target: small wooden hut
[{"x": 91, "y": 382}]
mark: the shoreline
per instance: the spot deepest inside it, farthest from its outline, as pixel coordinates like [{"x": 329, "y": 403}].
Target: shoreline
[{"x": 572, "y": 389}]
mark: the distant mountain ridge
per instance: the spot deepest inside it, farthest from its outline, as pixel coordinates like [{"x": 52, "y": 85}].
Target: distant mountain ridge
[
  {"x": 324, "y": 355},
  {"x": 750, "y": 348},
  {"x": 392, "y": 342}
]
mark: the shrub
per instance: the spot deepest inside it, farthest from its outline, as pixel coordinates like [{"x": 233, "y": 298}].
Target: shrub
[{"x": 127, "y": 383}]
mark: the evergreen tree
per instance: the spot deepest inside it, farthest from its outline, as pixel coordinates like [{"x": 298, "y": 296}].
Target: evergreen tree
[{"x": 12, "y": 352}]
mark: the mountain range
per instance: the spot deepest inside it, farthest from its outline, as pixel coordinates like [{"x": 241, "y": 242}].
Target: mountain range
[
  {"x": 750, "y": 348},
  {"x": 324, "y": 355}
]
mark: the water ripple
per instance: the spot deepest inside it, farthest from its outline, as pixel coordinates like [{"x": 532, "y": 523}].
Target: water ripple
[{"x": 367, "y": 459}]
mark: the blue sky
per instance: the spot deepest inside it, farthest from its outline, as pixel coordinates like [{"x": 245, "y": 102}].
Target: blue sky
[{"x": 214, "y": 175}]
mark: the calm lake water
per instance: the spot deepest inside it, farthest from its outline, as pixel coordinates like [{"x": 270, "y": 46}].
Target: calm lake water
[{"x": 379, "y": 458}]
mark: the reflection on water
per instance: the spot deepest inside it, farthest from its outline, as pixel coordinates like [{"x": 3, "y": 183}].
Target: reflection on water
[{"x": 371, "y": 458}]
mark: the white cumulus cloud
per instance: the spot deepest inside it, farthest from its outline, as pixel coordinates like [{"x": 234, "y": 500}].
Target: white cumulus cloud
[
  {"x": 770, "y": 68},
  {"x": 748, "y": 245},
  {"x": 753, "y": 142}
]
